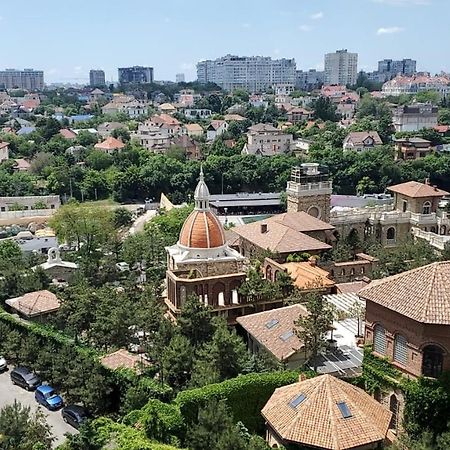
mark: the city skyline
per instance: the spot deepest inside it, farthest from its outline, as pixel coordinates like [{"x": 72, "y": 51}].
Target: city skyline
[{"x": 172, "y": 39}]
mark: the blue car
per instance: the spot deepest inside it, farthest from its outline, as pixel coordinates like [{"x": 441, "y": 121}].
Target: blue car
[{"x": 46, "y": 396}]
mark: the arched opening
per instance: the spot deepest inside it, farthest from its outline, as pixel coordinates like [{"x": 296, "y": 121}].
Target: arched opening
[
  {"x": 432, "y": 361},
  {"x": 400, "y": 349},
  {"x": 218, "y": 295},
  {"x": 314, "y": 211},
  {"x": 393, "y": 407},
  {"x": 379, "y": 339},
  {"x": 426, "y": 207},
  {"x": 269, "y": 273},
  {"x": 390, "y": 234},
  {"x": 443, "y": 229}
]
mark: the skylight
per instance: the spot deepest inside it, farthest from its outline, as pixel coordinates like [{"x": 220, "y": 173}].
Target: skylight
[
  {"x": 271, "y": 323},
  {"x": 344, "y": 410},
  {"x": 285, "y": 336},
  {"x": 297, "y": 400}
]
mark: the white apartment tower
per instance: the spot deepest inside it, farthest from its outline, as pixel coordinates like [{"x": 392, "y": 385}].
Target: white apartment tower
[
  {"x": 254, "y": 73},
  {"x": 341, "y": 68}
]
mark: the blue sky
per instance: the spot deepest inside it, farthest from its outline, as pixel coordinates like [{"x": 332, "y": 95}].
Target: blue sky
[{"x": 66, "y": 38}]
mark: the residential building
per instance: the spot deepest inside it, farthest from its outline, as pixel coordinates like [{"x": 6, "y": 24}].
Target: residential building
[
  {"x": 412, "y": 148},
  {"x": 4, "y": 151},
  {"x": 408, "y": 319},
  {"x": 325, "y": 413},
  {"x": 110, "y": 145},
  {"x": 254, "y": 73},
  {"x": 167, "y": 124},
  {"x": 193, "y": 130},
  {"x": 152, "y": 137},
  {"x": 28, "y": 79},
  {"x": 202, "y": 263},
  {"x": 391, "y": 68},
  {"x": 30, "y": 202},
  {"x": 106, "y": 128},
  {"x": 179, "y": 78},
  {"x": 414, "y": 117},
  {"x": 418, "y": 83},
  {"x": 135, "y": 75},
  {"x": 123, "y": 359},
  {"x": 309, "y": 80},
  {"x": 296, "y": 114},
  {"x": 97, "y": 78},
  {"x": 266, "y": 140},
  {"x": 21, "y": 165},
  {"x": 197, "y": 113},
  {"x": 191, "y": 148},
  {"x": 216, "y": 128},
  {"x": 362, "y": 140},
  {"x": 285, "y": 234},
  {"x": 309, "y": 190},
  {"x": 97, "y": 95},
  {"x": 341, "y": 67},
  {"x": 234, "y": 118},
  {"x": 66, "y": 133},
  {"x": 35, "y": 304},
  {"x": 167, "y": 108},
  {"x": 273, "y": 332}
]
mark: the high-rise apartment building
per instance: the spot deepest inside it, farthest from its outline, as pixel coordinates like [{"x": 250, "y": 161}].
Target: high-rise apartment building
[
  {"x": 341, "y": 68},
  {"x": 29, "y": 79},
  {"x": 179, "y": 78},
  {"x": 396, "y": 67},
  {"x": 97, "y": 78},
  {"x": 254, "y": 73},
  {"x": 307, "y": 80},
  {"x": 135, "y": 75}
]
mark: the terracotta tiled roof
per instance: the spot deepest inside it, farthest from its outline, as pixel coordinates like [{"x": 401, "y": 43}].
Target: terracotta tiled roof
[
  {"x": 263, "y": 128},
  {"x": 216, "y": 124},
  {"x": 358, "y": 137},
  {"x": 236, "y": 117},
  {"x": 22, "y": 164},
  {"x": 193, "y": 127},
  {"x": 421, "y": 294},
  {"x": 68, "y": 134},
  {"x": 279, "y": 238},
  {"x": 351, "y": 287},
  {"x": 110, "y": 143},
  {"x": 441, "y": 128},
  {"x": 414, "y": 189},
  {"x": 35, "y": 303},
  {"x": 301, "y": 221},
  {"x": 306, "y": 275},
  {"x": 274, "y": 330},
  {"x": 122, "y": 359},
  {"x": 308, "y": 413},
  {"x": 4, "y": 144},
  {"x": 202, "y": 229}
]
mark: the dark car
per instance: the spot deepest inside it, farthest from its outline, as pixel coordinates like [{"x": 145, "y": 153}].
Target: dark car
[
  {"x": 46, "y": 396},
  {"x": 25, "y": 378},
  {"x": 74, "y": 415}
]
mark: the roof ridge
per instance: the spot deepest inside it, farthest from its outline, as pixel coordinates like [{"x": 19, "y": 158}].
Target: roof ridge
[
  {"x": 333, "y": 424},
  {"x": 434, "y": 267}
]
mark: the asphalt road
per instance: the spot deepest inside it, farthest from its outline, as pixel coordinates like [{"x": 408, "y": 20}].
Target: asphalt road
[{"x": 9, "y": 393}]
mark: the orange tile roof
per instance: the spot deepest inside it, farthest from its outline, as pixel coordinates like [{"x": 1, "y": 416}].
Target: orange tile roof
[
  {"x": 307, "y": 413},
  {"x": 35, "y": 303},
  {"x": 4, "y": 144},
  {"x": 110, "y": 143},
  {"x": 122, "y": 359},
  {"x": 202, "y": 229},
  {"x": 301, "y": 221},
  {"x": 421, "y": 294},
  {"x": 274, "y": 330},
  {"x": 414, "y": 189},
  {"x": 68, "y": 134},
  {"x": 305, "y": 275}
]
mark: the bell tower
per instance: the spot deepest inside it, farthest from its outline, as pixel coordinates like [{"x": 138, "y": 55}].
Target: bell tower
[{"x": 309, "y": 190}]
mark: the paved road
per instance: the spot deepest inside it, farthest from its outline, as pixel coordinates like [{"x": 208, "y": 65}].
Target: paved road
[
  {"x": 9, "y": 393},
  {"x": 139, "y": 223}
]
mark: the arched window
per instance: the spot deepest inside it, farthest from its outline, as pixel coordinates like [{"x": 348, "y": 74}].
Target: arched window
[
  {"x": 426, "y": 208},
  {"x": 432, "y": 361},
  {"x": 390, "y": 234},
  {"x": 393, "y": 407},
  {"x": 400, "y": 349},
  {"x": 379, "y": 339}
]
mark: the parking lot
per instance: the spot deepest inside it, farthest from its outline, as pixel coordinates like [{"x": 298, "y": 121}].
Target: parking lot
[{"x": 9, "y": 393}]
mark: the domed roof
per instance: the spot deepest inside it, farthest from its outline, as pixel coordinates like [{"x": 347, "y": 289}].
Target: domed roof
[{"x": 202, "y": 229}]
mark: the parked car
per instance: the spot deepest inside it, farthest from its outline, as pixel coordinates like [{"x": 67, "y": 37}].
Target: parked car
[
  {"x": 74, "y": 415},
  {"x": 3, "y": 365},
  {"x": 25, "y": 378},
  {"x": 122, "y": 267},
  {"x": 46, "y": 396}
]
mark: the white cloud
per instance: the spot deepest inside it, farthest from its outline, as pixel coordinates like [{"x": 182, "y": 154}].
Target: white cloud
[
  {"x": 404, "y": 2},
  {"x": 304, "y": 28},
  {"x": 389, "y": 30},
  {"x": 317, "y": 15}
]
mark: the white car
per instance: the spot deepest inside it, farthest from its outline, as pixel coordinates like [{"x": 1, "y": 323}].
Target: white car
[
  {"x": 3, "y": 365},
  {"x": 122, "y": 267}
]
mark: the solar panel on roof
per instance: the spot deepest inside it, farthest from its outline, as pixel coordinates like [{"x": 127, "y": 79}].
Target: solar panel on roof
[
  {"x": 285, "y": 336},
  {"x": 297, "y": 400},
  {"x": 271, "y": 323},
  {"x": 344, "y": 410}
]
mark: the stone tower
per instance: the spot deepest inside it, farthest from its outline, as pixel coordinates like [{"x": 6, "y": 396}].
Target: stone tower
[{"x": 309, "y": 190}]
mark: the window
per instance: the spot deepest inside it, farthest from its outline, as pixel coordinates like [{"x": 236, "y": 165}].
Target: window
[
  {"x": 432, "y": 361},
  {"x": 297, "y": 400},
  {"x": 379, "y": 339},
  {"x": 345, "y": 411},
  {"x": 400, "y": 349},
  {"x": 390, "y": 234},
  {"x": 426, "y": 208},
  {"x": 404, "y": 206},
  {"x": 271, "y": 323},
  {"x": 285, "y": 336}
]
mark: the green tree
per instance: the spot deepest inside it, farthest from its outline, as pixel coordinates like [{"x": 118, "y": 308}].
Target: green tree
[
  {"x": 121, "y": 217},
  {"x": 21, "y": 430},
  {"x": 312, "y": 329},
  {"x": 324, "y": 109},
  {"x": 178, "y": 359}
]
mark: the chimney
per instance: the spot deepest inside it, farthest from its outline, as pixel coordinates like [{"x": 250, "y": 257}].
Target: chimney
[
  {"x": 427, "y": 181},
  {"x": 312, "y": 261},
  {"x": 435, "y": 187},
  {"x": 302, "y": 377},
  {"x": 264, "y": 228}
]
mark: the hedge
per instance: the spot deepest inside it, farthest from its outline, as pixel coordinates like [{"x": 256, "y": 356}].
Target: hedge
[{"x": 245, "y": 395}]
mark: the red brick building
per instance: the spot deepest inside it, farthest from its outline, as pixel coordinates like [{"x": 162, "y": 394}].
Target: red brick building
[{"x": 408, "y": 319}]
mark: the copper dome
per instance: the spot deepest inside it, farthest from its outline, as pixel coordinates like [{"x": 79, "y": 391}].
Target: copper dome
[{"x": 202, "y": 229}]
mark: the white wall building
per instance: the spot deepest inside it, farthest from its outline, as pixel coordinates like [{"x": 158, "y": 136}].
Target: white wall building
[
  {"x": 266, "y": 140},
  {"x": 341, "y": 68},
  {"x": 415, "y": 117}
]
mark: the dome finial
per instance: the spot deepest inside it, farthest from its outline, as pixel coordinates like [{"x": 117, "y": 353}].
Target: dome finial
[{"x": 202, "y": 177}]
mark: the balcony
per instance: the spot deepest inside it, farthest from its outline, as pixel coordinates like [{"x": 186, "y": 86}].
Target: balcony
[{"x": 321, "y": 187}]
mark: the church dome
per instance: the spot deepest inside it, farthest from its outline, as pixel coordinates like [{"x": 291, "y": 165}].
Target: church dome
[{"x": 202, "y": 229}]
